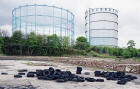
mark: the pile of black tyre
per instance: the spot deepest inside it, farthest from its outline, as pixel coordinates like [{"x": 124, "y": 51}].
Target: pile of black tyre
[
  {"x": 61, "y": 76},
  {"x": 57, "y": 75},
  {"x": 120, "y": 77},
  {"x": 64, "y": 76}
]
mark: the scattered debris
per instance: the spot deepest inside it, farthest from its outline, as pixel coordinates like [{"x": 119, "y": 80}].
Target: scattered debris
[
  {"x": 79, "y": 70},
  {"x": 21, "y": 73},
  {"x": 87, "y": 73},
  {"x": 90, "y": 79},
  {"x": 18, "y": 87},
  {"x": 17, "y": 76},
  {"x": 99, "y": 80},
  {"x": 31, "y": 74},
  {"x": 4, "y": 73},
  {"x": 2, "y": 87},
  {"x": 22, "y": 70},
  {"x": 39, "y": 64},
  {"x": 130, "y": 68}
]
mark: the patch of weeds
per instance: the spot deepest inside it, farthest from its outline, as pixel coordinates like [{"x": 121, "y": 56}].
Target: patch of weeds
[
  {"x": 30, "y": 63},
  {"x": 94, "y": 54},
  {"x": 38, "y": 64},
  {"x": 137, "y": 59},
  {"x": 107, "y": 56}
]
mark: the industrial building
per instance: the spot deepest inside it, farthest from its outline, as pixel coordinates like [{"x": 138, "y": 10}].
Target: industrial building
[
  {"x": 43, "y": 20},
  {"x": 101, "y": 26}
]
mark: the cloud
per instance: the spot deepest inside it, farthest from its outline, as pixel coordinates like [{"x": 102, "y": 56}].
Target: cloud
[{"x": 129, "y": 14}]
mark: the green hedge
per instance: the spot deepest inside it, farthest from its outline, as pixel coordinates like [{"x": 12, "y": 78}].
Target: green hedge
[{"x": 39, "y": 51}]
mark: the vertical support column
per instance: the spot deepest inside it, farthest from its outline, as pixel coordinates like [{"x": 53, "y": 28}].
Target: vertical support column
[
  {"x": 35, "y": 20},
  {"x": 43, "y": 26},
  {"x": 86, "y": 24},
  {"x": 26, "y": 20},
  {"x": 89, "y": 28},
  {"x": 61, "y": 25},
  {"x": 73, "y": 29},
  {"x": 67, "y": 22},
  {"x": 53, "y": 20},
  {"x": 68, "y": 27},
  {"x": 13, "y": 21},
  {"x": 20, "y": 18}
]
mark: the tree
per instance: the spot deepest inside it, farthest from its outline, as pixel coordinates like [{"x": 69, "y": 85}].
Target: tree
[
  {"x": 41, "y": 40},
  {"x": 131, "y": 44},
  {"x": 53, "y": 45},
  {"x": 32, "y": 42},
  {"x": 65, "y": 42},
  {"x": 131, "y": 48},
  {"x": 53, "y": 41},
  {"x": 126, "y": 53},
  {"x": 81, "y": 43},
  {"x": 1, "y": 44},
  {"x": 17, "y": 42},
  {"x": 17, "y": 38}
]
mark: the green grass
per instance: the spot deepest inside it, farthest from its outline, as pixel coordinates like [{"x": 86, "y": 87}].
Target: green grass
[
  {"x": 137, "y": 59},
  {"x": 95, "y": 54},
  {"x": 106, "y": 56}
]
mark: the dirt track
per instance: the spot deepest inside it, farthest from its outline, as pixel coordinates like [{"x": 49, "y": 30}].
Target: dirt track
[{"x": 11, "y": 67}]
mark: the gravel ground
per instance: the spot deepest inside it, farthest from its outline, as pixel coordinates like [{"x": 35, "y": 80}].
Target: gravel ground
[{"x": 11, "y": 67}]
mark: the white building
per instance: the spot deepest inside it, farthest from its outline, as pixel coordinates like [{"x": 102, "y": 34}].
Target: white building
[{"x": 102, "y": 26}]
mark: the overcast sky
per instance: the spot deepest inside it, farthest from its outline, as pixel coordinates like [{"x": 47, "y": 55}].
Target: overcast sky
[{"x": 129, "y": 14}]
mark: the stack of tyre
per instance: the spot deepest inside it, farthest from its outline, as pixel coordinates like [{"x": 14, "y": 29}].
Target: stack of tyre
[
  {"x": 64, "y": 76},
  {"x": 61, "y": 76},
  {"x": 119, "y": 76}
]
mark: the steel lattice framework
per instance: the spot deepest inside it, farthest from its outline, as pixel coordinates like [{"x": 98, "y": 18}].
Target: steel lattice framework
[{"x": 43, "y": 20}]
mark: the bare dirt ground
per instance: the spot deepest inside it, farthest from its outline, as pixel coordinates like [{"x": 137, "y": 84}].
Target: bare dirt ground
[{"x": 12, "y": 64}]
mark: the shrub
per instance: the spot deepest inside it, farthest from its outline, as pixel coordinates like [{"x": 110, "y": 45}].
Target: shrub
[
  {"x": 137, "y": 59},
  {"x": 100, "y": 49},
  {"x": 92, "y": 48},
  {"x": 53, "y": 41},
  {"x": 120, "y": 51},
  {"x": 126, "y": 53},
  {"x": 115, "y": 51},
  {"x": 110, "y": 51},
  {"x": 94, "y": 54},
  {"x": 52, "y": 45},
  {"x": 17, "y": 38},
  {"x": 1, "y": 44},
  {"x": 133, "y": 52},
  {"x": 81, "y": 43},
  {"x": 105, "y": 49},
  {"x": 138, "y": 53}
]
